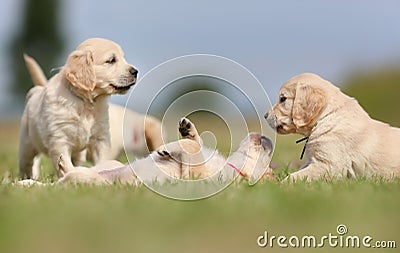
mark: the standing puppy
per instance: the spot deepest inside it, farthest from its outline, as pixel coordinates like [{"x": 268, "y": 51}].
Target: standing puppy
[
  {"x": 343, "y": 141},
  {"x": 70, "y": 113}
]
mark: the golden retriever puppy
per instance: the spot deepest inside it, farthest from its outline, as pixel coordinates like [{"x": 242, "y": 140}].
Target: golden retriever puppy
[
  {"x": 138, "y": 133},
  {"x": 343, "y": 141},
  {"x": 183, "y": 159},
  {"x": 70, "y": 113}
]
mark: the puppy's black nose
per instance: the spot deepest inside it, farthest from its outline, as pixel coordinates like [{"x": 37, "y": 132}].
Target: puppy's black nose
[
  {"x": 133, "y": 71},
  {"x": 266, "y": 116},
  {"x": 267, "y": 144}
]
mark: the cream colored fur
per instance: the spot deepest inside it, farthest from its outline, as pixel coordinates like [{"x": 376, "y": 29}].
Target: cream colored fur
[
  {"x": 70, "y": 112},
  {"x": 183, "y": 159},
  {"x": 138, "y": 133},
  {"x": 343, "y": 140}
]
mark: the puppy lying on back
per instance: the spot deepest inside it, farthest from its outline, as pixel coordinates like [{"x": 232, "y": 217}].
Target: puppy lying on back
[
  {"x": 139, "y": 134},
  {"x": 343, "y": 141},
  {"x": 70, "y": 113},
  {"x": 183, "y": 159}
]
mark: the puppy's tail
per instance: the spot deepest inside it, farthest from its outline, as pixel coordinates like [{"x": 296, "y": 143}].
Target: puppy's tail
[{"x": 36, "y": 72}]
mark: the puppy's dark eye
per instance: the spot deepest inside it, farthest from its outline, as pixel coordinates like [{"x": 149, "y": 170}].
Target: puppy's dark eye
[
  {"x": 282, "y": 99},
  {"x": 112, "y": 60}
]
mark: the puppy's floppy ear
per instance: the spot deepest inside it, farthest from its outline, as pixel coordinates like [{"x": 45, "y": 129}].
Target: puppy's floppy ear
[
  {"x": 308, "y": 104},
  {"x": 79, "y": 70}
]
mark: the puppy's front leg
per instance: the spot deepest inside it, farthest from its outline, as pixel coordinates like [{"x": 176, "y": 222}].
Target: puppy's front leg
[
  {"x": 78, "y": 158},
  {"x": 313, "y": 171},
  {"x": 97, "y": 149},
  {"x": 187, "y": 153},
  {"x": 36, "y": 168},
  {"x": 26, "y": 155},
  {"x": 99, "y": 144}
]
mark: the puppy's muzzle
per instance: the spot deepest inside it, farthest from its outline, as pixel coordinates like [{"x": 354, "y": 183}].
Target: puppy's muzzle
[
  {"x": 127, "y": 82},
  {"x": 259, "y": 139}
]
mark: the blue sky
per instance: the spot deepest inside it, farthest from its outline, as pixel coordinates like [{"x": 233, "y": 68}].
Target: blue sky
[{"x": 273, "y": 39}]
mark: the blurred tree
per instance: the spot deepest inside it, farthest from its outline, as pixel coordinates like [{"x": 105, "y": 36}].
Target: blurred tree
[{"x": 39, "y": 35}]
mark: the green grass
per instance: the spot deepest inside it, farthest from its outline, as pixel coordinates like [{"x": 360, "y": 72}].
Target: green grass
[
  {"x": 119, "y": 218},
  {"x": 125, "y": 219}
]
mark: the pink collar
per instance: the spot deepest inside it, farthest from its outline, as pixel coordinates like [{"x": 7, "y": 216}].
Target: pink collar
[{"x": 237, "y": 170}]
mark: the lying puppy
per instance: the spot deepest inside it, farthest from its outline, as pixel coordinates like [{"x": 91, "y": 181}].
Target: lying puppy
[
  {"x": 139, "y": 134},
  {"x": 343, "y": 141},
  {"x": 183, "y": 159},
  {"x": 70, "y": 113}
]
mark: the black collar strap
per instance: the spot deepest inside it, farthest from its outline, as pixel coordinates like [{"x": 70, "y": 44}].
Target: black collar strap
[{"x": 305, "y": 145}]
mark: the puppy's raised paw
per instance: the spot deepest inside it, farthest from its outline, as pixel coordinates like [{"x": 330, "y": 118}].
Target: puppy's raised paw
[
  {"x": 185, "y": 127},
  {"x": 188, "y": 130}
]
